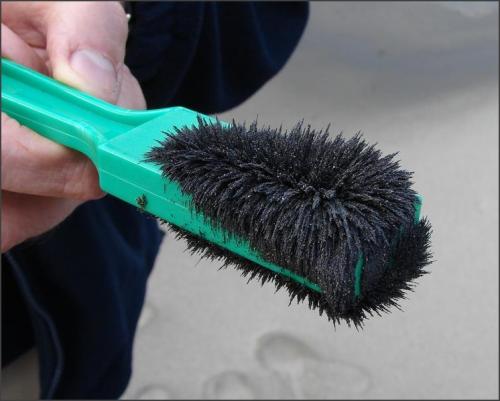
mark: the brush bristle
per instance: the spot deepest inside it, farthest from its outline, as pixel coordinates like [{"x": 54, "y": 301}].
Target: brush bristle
[{"x": 307, "y": 202}]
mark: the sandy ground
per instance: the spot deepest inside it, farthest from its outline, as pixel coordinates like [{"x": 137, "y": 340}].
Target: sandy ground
[{"x": 417, "y": 78}]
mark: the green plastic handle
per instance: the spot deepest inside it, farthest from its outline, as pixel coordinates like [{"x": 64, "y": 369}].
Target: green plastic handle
[{"x": 63, "y": 114}]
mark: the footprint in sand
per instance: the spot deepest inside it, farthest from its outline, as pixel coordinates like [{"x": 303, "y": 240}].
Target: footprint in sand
[
  {"x": 309, "y": 374},
  {"x": 236, "y": 385},
  {"x": 153, "y": 392}
]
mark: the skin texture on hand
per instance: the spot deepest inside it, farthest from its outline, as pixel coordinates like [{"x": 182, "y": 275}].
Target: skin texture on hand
[{"x": 83, "y": 45}]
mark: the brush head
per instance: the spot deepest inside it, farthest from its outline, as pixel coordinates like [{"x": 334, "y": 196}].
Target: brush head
[{"x": 307, "y": 202}]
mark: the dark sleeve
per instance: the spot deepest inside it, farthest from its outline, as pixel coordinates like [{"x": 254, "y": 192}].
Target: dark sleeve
[
  {"x": 77, "y": 292},
  {"x": 210, "y": 56}
]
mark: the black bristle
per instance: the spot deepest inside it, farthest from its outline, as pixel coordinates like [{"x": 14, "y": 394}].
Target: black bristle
[{"x": 306, "y": 202}]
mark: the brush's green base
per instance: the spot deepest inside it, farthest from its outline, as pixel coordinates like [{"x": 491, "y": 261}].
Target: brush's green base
[{"x": 121, "y": 154}]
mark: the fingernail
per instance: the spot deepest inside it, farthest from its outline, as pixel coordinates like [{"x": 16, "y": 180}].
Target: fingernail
[{"x": 95, "y": 69}]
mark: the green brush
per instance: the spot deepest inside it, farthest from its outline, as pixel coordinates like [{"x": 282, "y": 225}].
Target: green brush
[{"x": 118, "y": 142}]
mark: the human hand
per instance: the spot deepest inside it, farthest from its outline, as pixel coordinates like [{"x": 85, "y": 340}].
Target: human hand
[{"x": 83, "y": 45}]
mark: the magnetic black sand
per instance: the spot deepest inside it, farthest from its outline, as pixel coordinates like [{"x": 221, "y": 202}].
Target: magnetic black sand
[{"x": 307, "y": 202}]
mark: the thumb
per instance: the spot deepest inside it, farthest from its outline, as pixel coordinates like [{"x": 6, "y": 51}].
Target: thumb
[{"x": 86, "y": 46}]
